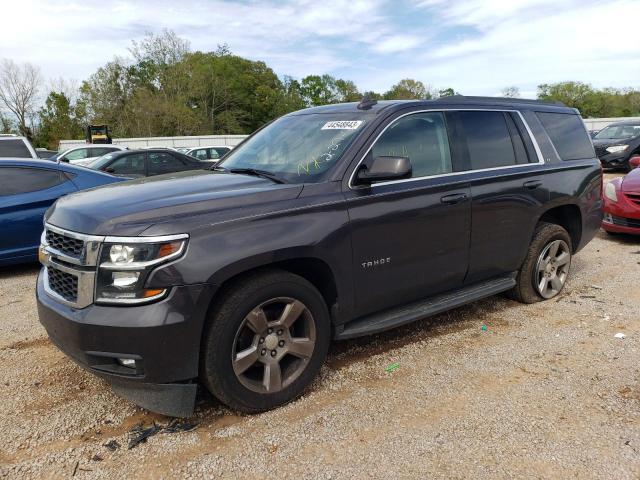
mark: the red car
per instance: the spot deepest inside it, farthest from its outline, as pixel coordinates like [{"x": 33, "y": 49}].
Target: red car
[{"x": 622, "y": 204}]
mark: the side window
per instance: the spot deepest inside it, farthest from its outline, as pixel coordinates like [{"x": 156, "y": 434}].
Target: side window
[
  {"x": 127, "y": 165},
  {"x": 200, "y": 154},
  {"x": 160, "y": 162},
  {"x": 568, "y": 134},
  {"x": 488, "y": 139},
  {"x": 213, "y": 154},
  {"x": 14, "y": 148},
  {"x": 423, "y": 138},
  {"x": 77, "y": 154},
  {"x": 516, "y": 138},
  {"x": 221, "y": 151},
  {"x": 15, "y": 180}
]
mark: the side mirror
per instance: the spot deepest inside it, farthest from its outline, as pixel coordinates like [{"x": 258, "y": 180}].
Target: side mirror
[{"x": 382, "y": 169}]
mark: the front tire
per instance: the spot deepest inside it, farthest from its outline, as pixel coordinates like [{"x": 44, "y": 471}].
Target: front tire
[
  {"x": 265, "y": 342},
  {"x": 545, "y": 270}
]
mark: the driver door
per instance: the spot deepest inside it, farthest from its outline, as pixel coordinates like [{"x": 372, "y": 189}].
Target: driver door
[{"x": 410, "y": 237}]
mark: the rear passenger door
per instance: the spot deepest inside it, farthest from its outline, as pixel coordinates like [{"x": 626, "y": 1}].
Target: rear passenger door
[
  {"x": 507, "y": 189},
  {"x": 25, "y": 194},
  {"x": 410, "y": 237}
]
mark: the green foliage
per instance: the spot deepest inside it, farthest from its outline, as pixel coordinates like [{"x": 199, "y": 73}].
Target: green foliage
[
  {"x": 6, "y": 125},
  {"x": 447, "y": 92},
  {"x": 59, "y": 120},
  {"x": 408, "y": 89},
  {"x": 593, "y": 103}
]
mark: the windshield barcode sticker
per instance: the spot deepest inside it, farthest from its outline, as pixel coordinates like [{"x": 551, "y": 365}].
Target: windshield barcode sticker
[{"x": 342, "y": 125}]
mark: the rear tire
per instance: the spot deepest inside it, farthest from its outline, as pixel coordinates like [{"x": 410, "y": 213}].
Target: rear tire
[
  {"x": 545, "y": 269},
  {"x": 265, "y": 341}
]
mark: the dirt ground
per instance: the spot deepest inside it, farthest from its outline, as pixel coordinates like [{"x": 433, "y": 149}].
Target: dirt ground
[{"x": 494, "y": 389}]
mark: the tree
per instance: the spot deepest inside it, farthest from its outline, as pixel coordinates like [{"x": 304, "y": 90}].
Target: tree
[
  {"x": 511, "y": 92},
  {"x": 408, "y": 89},
  {"x": 19, "y": 90},
  {"x": 319, "y": 90},
  {"x": 6, "y": 125},
  {"x": 447, "y": 92},
  {"x": 58, "y": 121},
  {"x": 347, "y": 91}
]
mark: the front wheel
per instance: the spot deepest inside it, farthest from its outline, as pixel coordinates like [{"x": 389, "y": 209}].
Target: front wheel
[
  {"x": 265, "y": 342},
  {"x": 546, "y": 267}
]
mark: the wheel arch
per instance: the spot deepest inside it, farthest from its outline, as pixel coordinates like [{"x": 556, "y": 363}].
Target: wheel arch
[{"x": 569, "y": 217}]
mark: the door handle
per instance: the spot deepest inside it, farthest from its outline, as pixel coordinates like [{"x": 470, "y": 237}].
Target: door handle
[
  {"x": 454, "y": 198},
  {"x": 531, "y": 184}
]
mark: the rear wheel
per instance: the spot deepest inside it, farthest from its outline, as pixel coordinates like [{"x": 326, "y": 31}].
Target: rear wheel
[
  {"x": 546, "y": 267},
  {"x": 266, "y": 341}
]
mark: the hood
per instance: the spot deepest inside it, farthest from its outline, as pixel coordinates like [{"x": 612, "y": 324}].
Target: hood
[
  {"x": 631, "y": 182},
  {"x": 129, "y": 208}
]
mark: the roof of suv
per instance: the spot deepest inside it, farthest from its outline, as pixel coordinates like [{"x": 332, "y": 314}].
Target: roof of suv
[{"x": 450, "y": 100}]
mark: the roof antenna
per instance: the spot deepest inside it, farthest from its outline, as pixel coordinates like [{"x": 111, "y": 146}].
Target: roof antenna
[{"x": 367, "y": 102}]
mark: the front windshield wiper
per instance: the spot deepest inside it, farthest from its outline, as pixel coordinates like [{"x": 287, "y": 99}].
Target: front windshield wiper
[{"x": 252, "y": 171}]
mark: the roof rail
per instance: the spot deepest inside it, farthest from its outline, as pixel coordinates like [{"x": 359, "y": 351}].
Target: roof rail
[{"x": 462, "y": 98}]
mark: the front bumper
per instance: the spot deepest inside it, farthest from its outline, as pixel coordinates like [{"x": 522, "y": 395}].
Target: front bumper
[
  {"x": 614, "y": 160},
  {"x": 622, "y": 216},
  {"x": 163, "y": 338}
]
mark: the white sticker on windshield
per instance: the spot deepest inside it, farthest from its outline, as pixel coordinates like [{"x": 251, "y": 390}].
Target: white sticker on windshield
[{"x": 342, "y": 125}]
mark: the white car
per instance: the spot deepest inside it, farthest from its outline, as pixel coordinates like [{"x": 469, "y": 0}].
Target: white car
[
  {"x": 87, "y": 153},
  {"x": 211, "y": 153},
  {"x": 13, "y": 146}
]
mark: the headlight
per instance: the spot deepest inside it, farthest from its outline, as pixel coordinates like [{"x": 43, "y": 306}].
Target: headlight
[
  {"x": 617, "y": 148},
  {"x": 125, "y": 265},
  {"x": 610, "y": 192}
]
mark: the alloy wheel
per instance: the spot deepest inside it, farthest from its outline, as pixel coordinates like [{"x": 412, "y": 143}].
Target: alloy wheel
[
  {"x": 552, "y": 268},
  {"x": 273, "y": 345}
]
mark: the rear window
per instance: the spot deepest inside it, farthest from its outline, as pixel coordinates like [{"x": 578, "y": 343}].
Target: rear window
[
  {"x": 14, "y": 148},
  {"x": 14, "y": 180},
  {"x": 568, "y": 134}
]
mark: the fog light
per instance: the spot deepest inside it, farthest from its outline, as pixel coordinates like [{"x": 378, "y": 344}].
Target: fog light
[
  {"x": 608, "y": 218},
  {"x": 127, "y": 362},
  {"x": 124, "y": 279}
]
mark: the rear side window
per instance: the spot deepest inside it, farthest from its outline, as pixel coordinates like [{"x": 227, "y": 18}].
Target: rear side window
[
  {"x": 568, "y": 135},
  {"x": 15, "y": 180},
  {"x": 488, "y": 139},
  {"x": 14, "y": 148},
  {"x": 160, "y": 163},
  {"x": 127, "y": 165}
]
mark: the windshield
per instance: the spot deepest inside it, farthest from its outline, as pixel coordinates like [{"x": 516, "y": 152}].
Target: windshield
[
  {"x": 618, "y": 132},
  {"x": 298, "y": 148},
  {"x": 100, "y": 162}
]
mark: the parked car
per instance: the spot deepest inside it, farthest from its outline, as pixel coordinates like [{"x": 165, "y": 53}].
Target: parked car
[
  {"x": 44, "y": 153},
  {"x": 87, "y": 153},
  {"x": 622, "y": 204},
  {"x": 13, "y": 146},
  {"x": 333, "y": 222},
  {"x": 146, "y": 163},
  {"x": 214, "y": 153},
  {"x": 27, "y": 189},
  {"x": 617, "y": 143}
]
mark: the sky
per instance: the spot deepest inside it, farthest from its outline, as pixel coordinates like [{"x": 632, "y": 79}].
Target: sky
[{"x": 478, "y": 47}]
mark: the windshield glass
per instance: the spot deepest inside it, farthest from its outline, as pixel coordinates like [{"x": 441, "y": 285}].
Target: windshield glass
[
  {"x": 100, "y": 162},
  {"x": 618, "y": 132},
  {"x": 298, "y": 148}
]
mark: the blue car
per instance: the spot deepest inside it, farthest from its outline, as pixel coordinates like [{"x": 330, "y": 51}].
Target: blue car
[{"x": 27, "y": 189}]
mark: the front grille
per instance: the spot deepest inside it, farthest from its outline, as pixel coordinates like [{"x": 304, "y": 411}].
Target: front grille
[
  {"x": 633, "y": 197},
  {"x": 64, "y": 284},
  {"x": 67, "y": 245},
  {"x": 625, "y": 222}
]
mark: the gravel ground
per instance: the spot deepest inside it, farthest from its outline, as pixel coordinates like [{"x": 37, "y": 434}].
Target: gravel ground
[{"x": 545, "y": 391}]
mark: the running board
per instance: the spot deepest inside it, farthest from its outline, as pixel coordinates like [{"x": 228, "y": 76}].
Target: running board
[{"x": 378, "y": 322}]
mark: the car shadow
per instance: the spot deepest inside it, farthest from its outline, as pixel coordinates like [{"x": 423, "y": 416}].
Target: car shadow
[{"x": 19, "y": 270}]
